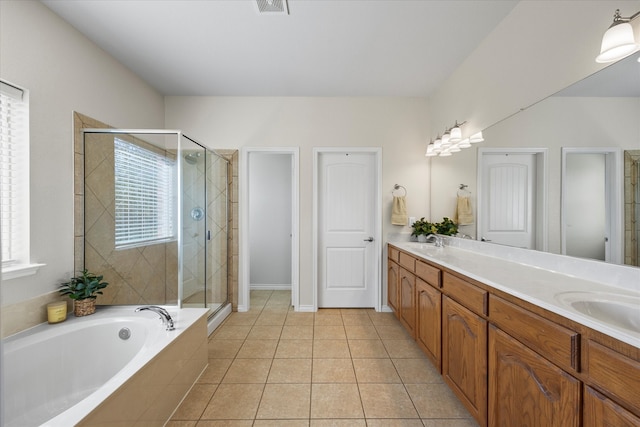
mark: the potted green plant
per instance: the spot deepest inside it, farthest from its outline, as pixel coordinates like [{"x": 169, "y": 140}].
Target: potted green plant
[
  {"x": 83, "y": 290},
  {"x": 421, "y": 228},
  {"x": 447, "y": 227}
]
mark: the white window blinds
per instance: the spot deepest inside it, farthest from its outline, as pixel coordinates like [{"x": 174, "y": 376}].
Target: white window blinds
[
  {"x": 144, "y": 196},
  {"x": 14, "y": 175}
]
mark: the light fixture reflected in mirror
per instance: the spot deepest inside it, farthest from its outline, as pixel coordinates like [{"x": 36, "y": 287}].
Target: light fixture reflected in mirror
[
  {"x": 476, "y": 137},
  {"x": 451, "y": 142},
  {"x": 619, "y": 40}
]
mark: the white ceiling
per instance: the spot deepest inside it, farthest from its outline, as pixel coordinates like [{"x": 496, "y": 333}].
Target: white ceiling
[{"x": 322, "y": 48}]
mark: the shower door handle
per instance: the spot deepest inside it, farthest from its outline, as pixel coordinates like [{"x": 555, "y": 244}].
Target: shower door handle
[{"x": 208, "y": 234}]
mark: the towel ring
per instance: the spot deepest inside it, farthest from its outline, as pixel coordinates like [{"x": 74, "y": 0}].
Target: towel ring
[
  {"x": 398, "y": 187},
  {"x": 463, "y": 190}
]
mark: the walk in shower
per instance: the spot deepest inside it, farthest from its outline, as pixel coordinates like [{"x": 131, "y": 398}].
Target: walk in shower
[{"x": 156, "y": 219}]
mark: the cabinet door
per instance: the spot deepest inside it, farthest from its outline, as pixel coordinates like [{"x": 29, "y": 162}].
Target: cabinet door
[
  {"x": 600, "y": 411},
  {"x": 393, "y": 275},
  {"x": 464, "y": 356},
  {"x": 407, "y": 290},
  {"x": 428, "y": 324},
  {"x": 527, "y": 389}
]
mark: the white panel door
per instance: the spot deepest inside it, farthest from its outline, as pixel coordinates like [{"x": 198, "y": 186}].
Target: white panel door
[
  {"x": 508, "y": 199},
  {"x": 346, "y": 221}
]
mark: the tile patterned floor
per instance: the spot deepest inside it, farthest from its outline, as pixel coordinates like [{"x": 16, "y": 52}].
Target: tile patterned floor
[{"x": 272, "y": 366}]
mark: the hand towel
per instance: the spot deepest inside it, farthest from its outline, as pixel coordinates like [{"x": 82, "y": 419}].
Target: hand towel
[
  {"x": 464, "y": 212},
  {"x": 399, "y": 211}
]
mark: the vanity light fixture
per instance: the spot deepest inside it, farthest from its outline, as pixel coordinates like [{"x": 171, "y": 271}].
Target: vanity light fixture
[
  {"x": 619, "y": 40},
  {"x": 476, "y": 137},
  {"x": 456, "y": 133},
  {"x": 464, "y": 143},
  {"x": 451, "y": 142}
]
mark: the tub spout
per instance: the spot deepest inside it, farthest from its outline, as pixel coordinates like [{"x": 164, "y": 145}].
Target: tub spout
[{"x": 164, "y": 315}]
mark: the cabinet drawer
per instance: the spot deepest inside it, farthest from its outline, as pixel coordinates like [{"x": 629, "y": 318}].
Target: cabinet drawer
[
  {"x": 429, "y": 274},
  {"x": 394, "y": 254},
  {"x": 407, "y": 261},
  {"x": 614, "y": 373},
  {"x": 557, "y": 343},
  {"x": 465, "y": 293}
]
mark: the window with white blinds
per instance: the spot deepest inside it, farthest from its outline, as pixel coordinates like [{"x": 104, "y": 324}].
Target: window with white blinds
[
  {"x": 14, "y": 176},
  {"x": 144, "y": 196}
]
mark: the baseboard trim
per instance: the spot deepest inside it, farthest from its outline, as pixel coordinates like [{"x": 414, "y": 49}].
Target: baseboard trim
[
  {"x": 306, "y": 308},
  {"x": 258, "y": 287}
]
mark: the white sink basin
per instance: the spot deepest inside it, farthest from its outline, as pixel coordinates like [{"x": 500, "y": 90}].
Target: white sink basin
[{"x": 618, "y": 310}]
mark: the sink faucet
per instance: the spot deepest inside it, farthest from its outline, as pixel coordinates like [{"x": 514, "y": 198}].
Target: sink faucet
[
  {"x": 164, "y": 315},
  {"x": 438, "y": 239}
]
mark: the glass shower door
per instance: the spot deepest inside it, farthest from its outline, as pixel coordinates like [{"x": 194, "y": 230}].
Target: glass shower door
[{"x": 217, "y": 231}]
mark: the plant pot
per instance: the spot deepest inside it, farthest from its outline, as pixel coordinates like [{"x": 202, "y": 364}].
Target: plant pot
[
  {"x": 84, "y": 307},
  {"x": 422, "y": 238}
]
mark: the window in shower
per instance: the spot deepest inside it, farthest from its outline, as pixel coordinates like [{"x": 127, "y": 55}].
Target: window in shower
[{"x": 144, "y": 199}]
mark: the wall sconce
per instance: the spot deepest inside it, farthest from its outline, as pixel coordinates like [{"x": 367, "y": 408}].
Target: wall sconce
[
  {"x": 619, "y": 40},
  {"x": 451, "y": 142}
]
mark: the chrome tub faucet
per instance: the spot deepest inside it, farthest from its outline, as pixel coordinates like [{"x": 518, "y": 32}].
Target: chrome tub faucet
[{"x": 164, "y": 315}]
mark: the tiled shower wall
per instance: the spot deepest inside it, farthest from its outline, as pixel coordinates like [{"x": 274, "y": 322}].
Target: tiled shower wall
[{"x": 631, "y": 207}]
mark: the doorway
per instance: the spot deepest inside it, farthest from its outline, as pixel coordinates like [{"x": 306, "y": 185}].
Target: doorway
[
  {"x": 591, "y": 221},
  {"x": 269, "y": 223},
  {"x": 512, "y": 192},
  {"x": 347, "y": 227}
]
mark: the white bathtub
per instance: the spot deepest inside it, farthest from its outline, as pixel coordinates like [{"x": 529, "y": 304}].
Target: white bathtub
[{"x": 81, "y": 372}]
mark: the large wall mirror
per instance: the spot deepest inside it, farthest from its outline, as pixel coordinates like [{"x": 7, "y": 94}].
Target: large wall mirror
[{"x": 576, "y": 127}]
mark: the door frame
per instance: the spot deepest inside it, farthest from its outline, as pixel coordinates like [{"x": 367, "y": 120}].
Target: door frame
[
  {"x": 613, "y": 188},
  {"x": 541, "y": 214},
  {"x": 377, "y": 220},
  {"x": 244, "y": 299}
]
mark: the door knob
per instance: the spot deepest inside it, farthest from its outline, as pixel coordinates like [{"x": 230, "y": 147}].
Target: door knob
[{"x": 370, "y": 239}]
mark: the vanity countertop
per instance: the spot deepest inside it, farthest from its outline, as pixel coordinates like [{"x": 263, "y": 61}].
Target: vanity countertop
[{"x": 544, "y": 287}]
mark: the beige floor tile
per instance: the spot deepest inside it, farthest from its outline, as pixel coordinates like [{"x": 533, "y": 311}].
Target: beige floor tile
[
  {"x": 195, "y": 402},
  {"x": 386, "y": 401},
  {"x": 375, "y": 371},
  {"x": 326, "y": 332},
  {"x": 356, "y": 319},
  {"x": 364, "y": 311},
  {"x": 233, "y": 402},
  {"x": 379, "y": 318},
  {"x": 333, "y": 371},
  {"x": 339, "y": 423},
  {"x": 361, "y": 332},
  {"x": 330, "y": 311},
  {"x": 181, "y": 423},
  {"x": 263, "y": 332},
  {"x": 225, "y": 423},
  {"x": 335, "y": 401},
  {"x": 276, "y": 309},
  {"x": 403, "y": 349},
  {"x": 216, "y": 370},
  {"x": 231, "y": 332},
  {"x": 257, "y": 349},
  {"x": 271, "y": 319},
  {"x": 241, "y": 319},
  {"x": 299, "y": 319},
  {"x": 371, "y": 422},
  {"x": 416, "y": 371},
  {"x": 290, "y": 371},
  {"x": 281, "y": 423},
  {"x": 297, "y": 332},
  {"x": 450, "y": 422},
  {"x": 223, "y": 349},
  {"x": 248, "y": 371},
  {"x": 331, "y": 349},
  {"x": 367, "y": 349},
  {"x": 436, "y": 401},
  {"x": 328, "y": 320},
  {"x": 393, "y": 332},
  {"x": 288, "y": 349},
  {"x": 285, "y": 401}
]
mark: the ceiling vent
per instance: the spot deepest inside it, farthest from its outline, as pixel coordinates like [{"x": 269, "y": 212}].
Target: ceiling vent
[{"x": 272, "y": 7}]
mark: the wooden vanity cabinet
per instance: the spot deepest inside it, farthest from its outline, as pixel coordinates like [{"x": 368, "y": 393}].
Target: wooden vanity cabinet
[
  {"x": 600, "y": 411},
  {"x": 527, "y": 389},
  {"x": 464, "y": 356},
  {"x": 393, "y": 276},
  {"x": 407, "y": 292},
  {"x": 429, "y": 321}
]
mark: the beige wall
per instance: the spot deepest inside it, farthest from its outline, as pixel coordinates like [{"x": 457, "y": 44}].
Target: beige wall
[
  {"x": 64, "y": 72},
  {"x": 398, "y": 125}
]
